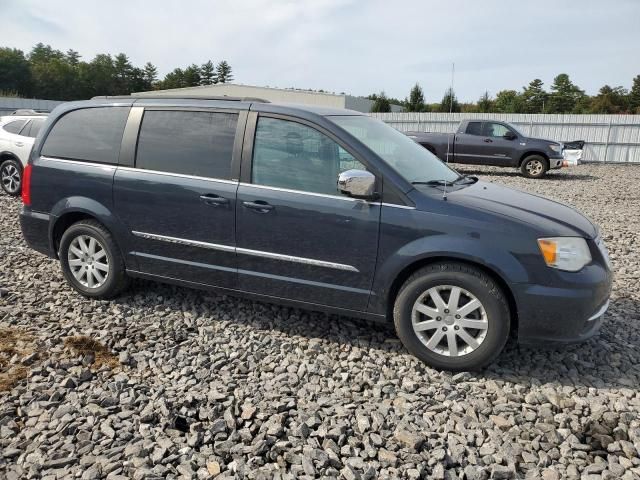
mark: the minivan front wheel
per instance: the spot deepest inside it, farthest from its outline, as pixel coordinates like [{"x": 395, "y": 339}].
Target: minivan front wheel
[
  {"x": 11, "y": 176},
  {"x": 452, "y": 316},
  {"x": 91, "y": 261}
]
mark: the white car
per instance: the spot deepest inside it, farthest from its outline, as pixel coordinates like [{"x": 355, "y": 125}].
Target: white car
[{"x": 17, "y": 134}]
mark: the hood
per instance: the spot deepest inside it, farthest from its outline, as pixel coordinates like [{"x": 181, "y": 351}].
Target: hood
[
  {"x": 541, "y": 140},
  {"x": 550, "y": 217}
]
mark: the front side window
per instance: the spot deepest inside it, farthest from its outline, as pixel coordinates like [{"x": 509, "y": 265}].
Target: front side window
[
  {"x": 294, "y": 156},
  {"x": 474, "y": 128},
  {"x": 186, "y": 142},
  {"x": 495, "y": 129},
  {"x": 411, "y": 160},
  {"x": 89, "y": 134},
  {"x": 14, "y": 127}
]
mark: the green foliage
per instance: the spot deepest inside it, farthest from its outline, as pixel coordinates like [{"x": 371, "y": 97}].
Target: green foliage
[
  {"x": 565, "y": 95},
  {"x": 415, "y": 103},
  {"x": 634, "y": 96},
  {"x": 449, "y": 102},
  {"x": 508, "y": 101},
  {"x": 51, "y": 74},
  {"x": 534, "y": 97},
  {"x": 485, "y": 104},
  {"x": 381, "y": 103},
  {"x": 223, "y": 72},
  {"x": 610, "y": 100}
]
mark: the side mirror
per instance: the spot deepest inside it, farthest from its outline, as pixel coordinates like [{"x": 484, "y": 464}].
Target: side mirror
[
  {"x": 509, "y": 136},
  {"x": 357, "y": 184}
]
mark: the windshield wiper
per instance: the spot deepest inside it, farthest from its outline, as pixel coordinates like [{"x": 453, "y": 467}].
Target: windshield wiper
[
  {"x": 461, "y": 180},
  {"x": 433, "y": 182},
  {"x": 465, "y": 179}
]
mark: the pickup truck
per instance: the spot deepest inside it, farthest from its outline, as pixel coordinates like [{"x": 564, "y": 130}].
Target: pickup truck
[{"x": 489, "y": 142}]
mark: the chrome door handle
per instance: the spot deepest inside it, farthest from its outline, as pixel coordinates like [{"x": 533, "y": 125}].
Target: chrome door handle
[
  {"x": 214, "y": 200},
  {"x": 259, "y": 206},
  {"x": 488, "y": 140}
]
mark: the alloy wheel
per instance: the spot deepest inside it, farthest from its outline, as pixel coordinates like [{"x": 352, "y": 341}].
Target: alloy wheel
[
  {"x": 88, "y": 261},
  {"x": 449, "y": 320},
  {"x": 10, "y": 177},
  {"x": 534, "y": 167}
]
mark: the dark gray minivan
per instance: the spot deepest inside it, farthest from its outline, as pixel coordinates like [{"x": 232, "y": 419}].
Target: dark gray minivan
[{"x": 321, "y": 208}]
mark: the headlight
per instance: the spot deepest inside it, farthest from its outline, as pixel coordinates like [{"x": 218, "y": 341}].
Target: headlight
[
  {"x": 565, "y": 253},
  {"x": 555, "y": 148}
]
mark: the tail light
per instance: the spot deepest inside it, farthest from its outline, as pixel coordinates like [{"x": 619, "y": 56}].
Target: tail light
[{"x": 26, "y": 186}]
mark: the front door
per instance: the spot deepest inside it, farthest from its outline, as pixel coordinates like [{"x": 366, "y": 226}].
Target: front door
[
  {"x": 495, "y": 148},
  {"x": 178, "y": 203},
  {"x": 297, "y": 236}
]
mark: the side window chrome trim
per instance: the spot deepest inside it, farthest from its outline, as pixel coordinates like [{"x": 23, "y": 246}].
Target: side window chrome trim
[
  {"x": 313, "y": 194},
  {"x": 78, "y": 162},
  {"x": 246, "y": 251},
  {"x": 395, "y": 205},
  {"x": 180, "y": 175}
]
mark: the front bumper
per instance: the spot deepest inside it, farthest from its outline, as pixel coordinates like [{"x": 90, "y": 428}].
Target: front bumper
[
  {"x": 556, "y": 161},
  {"x": 564, "y": 313}
]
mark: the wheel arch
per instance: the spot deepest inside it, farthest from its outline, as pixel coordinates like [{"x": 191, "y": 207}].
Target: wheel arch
[
  {"x": 529, "y": 153},
  {"x": 410, "y": 269}
]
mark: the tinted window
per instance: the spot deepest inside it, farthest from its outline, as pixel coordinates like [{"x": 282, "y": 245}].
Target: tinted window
[
  {"x": 34, "y": 128},
  {"x": 494, "y": 129},
  {"x": 190, "y": 143},
  {"x": 15, "y": 126},
  {"x": 474, "y": 128},
  {"x": 293, "y": 156},
  {"x": 90, "y": 134}
]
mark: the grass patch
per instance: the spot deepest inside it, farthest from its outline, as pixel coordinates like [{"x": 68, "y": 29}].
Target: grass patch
[
  {"x": 84, "y": 345},
  {"x": 14, "y": 341}
]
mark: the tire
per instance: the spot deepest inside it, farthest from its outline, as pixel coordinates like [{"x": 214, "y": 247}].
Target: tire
[
  {"x": 11, "y": 176},
  {"x": 76, "y": 254},
  {"x": 492, "y": 316},
  {"x": 534, "y": 166}
]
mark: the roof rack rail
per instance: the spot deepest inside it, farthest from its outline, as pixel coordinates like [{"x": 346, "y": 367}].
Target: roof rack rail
[
  {"x": 29, "y": 111},
  {"x": 180, "y": 97}
]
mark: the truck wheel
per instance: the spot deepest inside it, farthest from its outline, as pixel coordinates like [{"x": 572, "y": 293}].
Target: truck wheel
[
  {"x": 91, "y": 261},
  {"x": 452, "y": 317},
  {"x": 534, "y": 166},
  {"x": 11, "y": 176}
]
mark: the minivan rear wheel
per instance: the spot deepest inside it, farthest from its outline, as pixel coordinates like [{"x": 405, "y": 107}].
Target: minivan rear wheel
[
  {"x": 91, "y": 261},
  {"x": 11, "y": 176},
  {"x": 452, "y": 316}
]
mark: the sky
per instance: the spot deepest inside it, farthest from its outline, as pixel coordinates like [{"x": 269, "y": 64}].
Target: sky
[{"x": 353, "y": 46}]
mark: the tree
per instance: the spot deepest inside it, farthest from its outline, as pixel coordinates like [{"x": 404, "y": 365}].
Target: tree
[
  {"x": 534, "y": 97},
  {"x": 192, "y": 76},
  {"x": 508, "y": 101},
  {"x": 565, "y": 95},
  {"x": 449, "y": 102},
  {"x": 208, "y": 73},
  {"x": 123, "y": 70},
  {"x": 174, "y": 79},
  {"x": 72, "y": 57},
  {"x": 485, "y": 104},
  {"x": 381, "y": 104},
  {"x": 610, "y": 100},
  {"x": 150, "y": 75},
  {"x": 15, "y": 74},
  {"x": 415, "y": 103},
  {"x": 223, "y": 72},
  {"x": 634, "y": 96}
]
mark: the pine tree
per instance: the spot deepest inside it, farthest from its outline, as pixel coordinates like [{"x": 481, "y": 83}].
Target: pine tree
[
  {"x": 123, "y": 70},
  {"x": 150, "y": 74},
  {"x": 565, "y": 95},
  {"x": 223, "y": 72},
  {"x": 634, "y": 96},
  {"x": 380, "y": 103},
  {"x": 415, "y": 103},
  {"x": 208, "y": 73},
  {"x": 192, "y": 75},
  {"x": 72, "y": 57},
  {"x": 508, "y": 101},
  {"x": 449, "y": 102},
  {"x": 485, "y": 104},
  {"x": 534, "y": 97},
  {"x": 610, "y": 100}
]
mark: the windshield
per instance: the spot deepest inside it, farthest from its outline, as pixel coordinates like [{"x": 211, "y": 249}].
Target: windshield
[{"x": 414, "y": 162}]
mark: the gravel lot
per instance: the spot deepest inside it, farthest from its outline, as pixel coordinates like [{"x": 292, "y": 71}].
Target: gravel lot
[{"x": 184, "y": 383}]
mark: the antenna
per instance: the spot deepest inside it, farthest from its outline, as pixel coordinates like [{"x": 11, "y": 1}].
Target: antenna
[{"x": 453, "y": 70}]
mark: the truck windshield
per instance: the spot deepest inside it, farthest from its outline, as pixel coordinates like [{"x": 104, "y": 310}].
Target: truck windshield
[{"x": 414, "y": 162}]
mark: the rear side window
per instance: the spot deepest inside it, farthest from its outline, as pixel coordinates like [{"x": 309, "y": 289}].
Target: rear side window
[
  {"x": 14, "y": 127},
  {"x": 474, "y": 128},
  {"x": 34, "y": 128},
  {"x": 188, "y": 143},
  {"x": 90, "y": 134}
]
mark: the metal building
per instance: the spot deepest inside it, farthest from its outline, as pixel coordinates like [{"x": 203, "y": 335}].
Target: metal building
[{"x": 282, "y": 95}]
